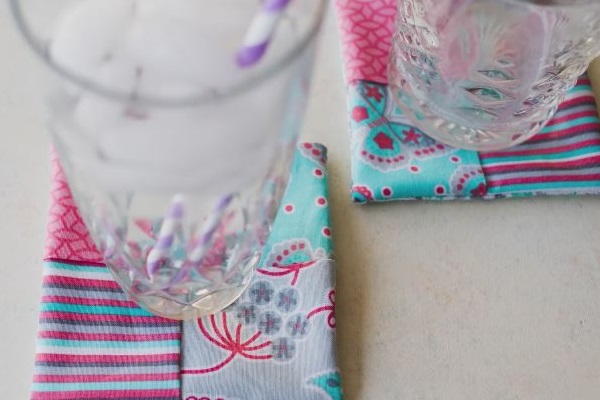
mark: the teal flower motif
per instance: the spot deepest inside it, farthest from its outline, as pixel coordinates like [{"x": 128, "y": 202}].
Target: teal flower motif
[{"x": 330, "y": 383}]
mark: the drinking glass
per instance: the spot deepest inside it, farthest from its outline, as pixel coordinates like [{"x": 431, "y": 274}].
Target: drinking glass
[
  {"x": 488, "y": 74},
  {"x": 177, "y": 156}
]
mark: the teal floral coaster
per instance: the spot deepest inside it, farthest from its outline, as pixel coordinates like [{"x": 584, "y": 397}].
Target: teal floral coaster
[{"x": 393, "y": 160}]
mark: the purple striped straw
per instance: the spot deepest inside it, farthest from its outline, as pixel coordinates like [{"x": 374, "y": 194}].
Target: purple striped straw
[
  {"x": 203, "y": 238},
  {"x": 208, "y": 230},
  {"x": 166, "y": 235},
  {"x": 261, "y": 32}
]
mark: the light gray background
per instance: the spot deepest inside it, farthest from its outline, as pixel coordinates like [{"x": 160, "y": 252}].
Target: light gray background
[{"x": 485, "y": 301}]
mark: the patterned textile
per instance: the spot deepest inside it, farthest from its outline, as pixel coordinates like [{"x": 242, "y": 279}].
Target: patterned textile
[
  {"x": 391, "y": 160},
  {"x": 93, "y": 343},
  {"x": 278, "y": 340},
  {"x": 564, "y": 158}
]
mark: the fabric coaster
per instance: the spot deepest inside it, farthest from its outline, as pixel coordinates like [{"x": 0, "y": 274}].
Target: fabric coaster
[
  {"x": 391, "y": 160},
  {"x": 277, "y": 341}
]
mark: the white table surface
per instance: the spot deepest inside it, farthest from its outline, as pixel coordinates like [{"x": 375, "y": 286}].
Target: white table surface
[{"x": 481, "y": 300}]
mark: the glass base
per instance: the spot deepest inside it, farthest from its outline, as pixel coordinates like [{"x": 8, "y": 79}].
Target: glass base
[
  {"x": 213, "y": 301},
  {"x": 428, "y": 119},
  {"x": 207, "y": 305}
]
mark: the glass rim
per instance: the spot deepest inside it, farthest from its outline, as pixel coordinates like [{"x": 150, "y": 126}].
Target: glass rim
[
  {"x": 207, "y": 96},
  {"x": 556, "y": 3}
]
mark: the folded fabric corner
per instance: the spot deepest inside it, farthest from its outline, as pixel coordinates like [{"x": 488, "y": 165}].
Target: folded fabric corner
[
  {"x": 278, "y": 340},
  {"x": 392, "y": 160}
]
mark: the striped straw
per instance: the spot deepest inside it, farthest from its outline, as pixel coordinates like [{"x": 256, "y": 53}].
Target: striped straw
[
  {"x": 209, "y": 228},
  {"x": 166, "y": 235},
  {"x": 260, "y": 33},
  {"x": 202, "y": 240}
]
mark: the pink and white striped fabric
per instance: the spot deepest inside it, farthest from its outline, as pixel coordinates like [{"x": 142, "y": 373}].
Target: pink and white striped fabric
[{"x": 564, "y": 158}]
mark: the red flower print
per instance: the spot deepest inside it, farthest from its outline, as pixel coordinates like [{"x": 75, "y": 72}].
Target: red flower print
[
  {"x": 283, "y": 270},
  {"x": 329, "y": 308},
  {"x": 384, "y": 141},
  {"x": 359, "y": 114},
  {"x": 230, "y": 341},
  {"x": 374, "y": 93},
  {"x": 411, "y": 136},
  {"x": 479, "y": 191}
]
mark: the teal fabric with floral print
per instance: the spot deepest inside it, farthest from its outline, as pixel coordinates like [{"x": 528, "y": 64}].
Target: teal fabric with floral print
[
  {"x": 393, "y": 160},
  {"x": 304, "y": 212},
  {"x": 277, "y": 341}
]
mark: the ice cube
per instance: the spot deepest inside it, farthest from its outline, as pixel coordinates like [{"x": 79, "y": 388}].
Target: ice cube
[{"x": 88, "y": 33}]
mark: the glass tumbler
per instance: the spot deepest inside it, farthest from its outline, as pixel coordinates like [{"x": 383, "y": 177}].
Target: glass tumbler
[
  {"x": 488, "y": 74},
  {"x": 177, "y": 155}
]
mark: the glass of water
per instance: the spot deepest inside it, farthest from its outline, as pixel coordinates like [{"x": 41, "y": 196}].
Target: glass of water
[
  {"x": 176, "y": 153},
  {"x": 488, "y": 74}
]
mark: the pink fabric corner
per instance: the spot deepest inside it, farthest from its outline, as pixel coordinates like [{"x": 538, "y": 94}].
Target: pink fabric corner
[
  {"x": 67, "y": 236},
  {"x": 366, "y": 27}
]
